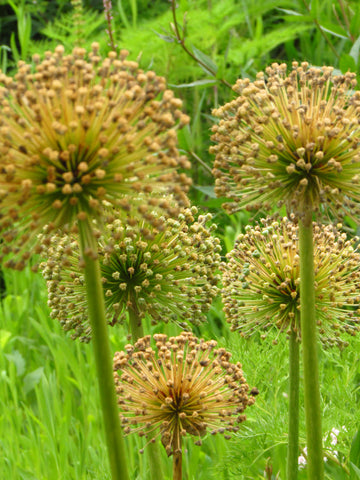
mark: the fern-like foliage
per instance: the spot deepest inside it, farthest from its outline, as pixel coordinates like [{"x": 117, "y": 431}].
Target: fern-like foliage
[{"x": 70, "y": 29}]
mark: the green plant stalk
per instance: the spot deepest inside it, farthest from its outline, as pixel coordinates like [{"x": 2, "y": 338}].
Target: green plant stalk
[
  {"x": 177, "y": 459},
  {"x": 309, "y": 350},
  {"x": 102, "y": 352},
  {"x": 154, "y": 456},
  {"x": 135, "y": 325},
  {"x": 293, "y": 429}
]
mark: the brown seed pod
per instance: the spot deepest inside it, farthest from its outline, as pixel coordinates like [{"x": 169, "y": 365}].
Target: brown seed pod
[
  {"x": 290, "y": 138},
  {"x": 184, "y": 385},
  {"x": 79, "y": 129}
]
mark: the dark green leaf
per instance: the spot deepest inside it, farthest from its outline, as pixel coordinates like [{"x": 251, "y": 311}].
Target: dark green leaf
[
  {"x": 355, "y": 450},
  {"x": 333, "y": 29},
  {"x": 207, "y": 190},
  {"x": 347, "y": 63},
  {"x": 314, "y": 10},
  {"x": 355, "y": 21},
  {"x": 18, "y": 360},
  {"x": 354, "y": 472},
  {"x": 32, "y": 379},
  {"x": 207, "y": 64},
  {"x": 197, "y": 83},
  {"x": 354, "y": 52},
  {"x": 167, "y": 38}
]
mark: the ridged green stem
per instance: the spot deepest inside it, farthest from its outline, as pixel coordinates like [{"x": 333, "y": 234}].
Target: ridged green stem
[
  {"x": 177, "y": 460},
  {"x": 309, "y": 351},
  {"x": 136, "y": 328},
  {"x": 154, "y": 455},
  {"x": 293, "y": 429},
  {"x": 102, "y": 352}
]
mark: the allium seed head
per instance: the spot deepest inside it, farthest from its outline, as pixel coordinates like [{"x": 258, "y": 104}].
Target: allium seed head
[
  {"x": 290, "y": 138},
  {"x": 165, "y": 270},
  {"x": 261, "y": 281},
  {"x": 182, "y": 385},
  {"x": 79, "y": 129}
]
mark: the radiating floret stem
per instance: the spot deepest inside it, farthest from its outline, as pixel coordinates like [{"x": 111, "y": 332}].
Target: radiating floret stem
[
  {"x": 101, "y": 345},
  {"x": 309, "y": 350}
]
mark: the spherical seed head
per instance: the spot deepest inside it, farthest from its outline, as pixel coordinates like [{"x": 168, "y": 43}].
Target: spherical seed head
[
  {"x": 261, "y": 281},
  {"x": 290, "y": 138},
  {"x": 182, "y": 385},
  {"x": 79, "y": 129},
  {"x": 163, "y": 268}
]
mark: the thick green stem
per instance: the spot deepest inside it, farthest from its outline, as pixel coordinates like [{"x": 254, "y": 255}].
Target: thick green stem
[
  {"x": 293, "y": 439},
  {"x": 135, "y": 325},
  {"x": 102, "y": 352},
  {"x": 177, "y": 460},
  {"x": 154, "y": 455},
  {"x": 309, "y": 351}
]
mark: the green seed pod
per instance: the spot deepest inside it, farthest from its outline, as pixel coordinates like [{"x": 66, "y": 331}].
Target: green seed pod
[{"x": 153, "y": 268}]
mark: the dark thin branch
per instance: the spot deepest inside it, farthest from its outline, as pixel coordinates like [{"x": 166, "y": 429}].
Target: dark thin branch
[
  {"x": 346, "y": 20},
  {"x": 181, "y": 41},
  {"x": 319, "y": 27},
  {"x": 109, "y": 20}
]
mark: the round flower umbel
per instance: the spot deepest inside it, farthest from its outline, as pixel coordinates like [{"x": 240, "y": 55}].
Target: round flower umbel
[
  {"x": 261, "y": 281},
  {"x": 79, "y": 129},
  {"x": 290, "y": 138},
  {"x": 182, "y": 386},
  {"x": 166, "y": 273}
]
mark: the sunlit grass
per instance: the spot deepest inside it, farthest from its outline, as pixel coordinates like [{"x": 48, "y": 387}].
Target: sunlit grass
[{"x": 48, "y": 397}]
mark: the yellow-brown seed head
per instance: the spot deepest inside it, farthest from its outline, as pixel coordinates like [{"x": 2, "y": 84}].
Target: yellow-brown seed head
[
  {"x": 182, "y": 386},
  {"x": 261, "y": 281},
  {"x": 290, "y": 138},
  {"x": 80, "y": 129}
]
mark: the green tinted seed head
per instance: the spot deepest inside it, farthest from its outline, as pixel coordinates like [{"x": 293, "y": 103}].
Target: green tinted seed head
[
  {"x": 161, "y": 270},
  {"x": 261, "y": 281},
  {"x": 79, "y": 129}
]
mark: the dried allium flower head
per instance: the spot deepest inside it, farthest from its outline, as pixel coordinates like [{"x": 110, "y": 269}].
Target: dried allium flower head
[
  {"x": 80, "y": 129},
  {"x": 183, "y": 386},
  {"x": 290, "y": 138},
  {"x": 166, "y": 273},
  {"x": 261, "y": 281}
]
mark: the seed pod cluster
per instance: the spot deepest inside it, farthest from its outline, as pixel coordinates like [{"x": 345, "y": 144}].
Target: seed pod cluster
[
  {"x": 183, "y": 385},
  {"x": 167, "y": 271},
  {"x": 261, "y": 281},
  {"x": 79, "y": 129},
  {"x": 290, "y": 138}
]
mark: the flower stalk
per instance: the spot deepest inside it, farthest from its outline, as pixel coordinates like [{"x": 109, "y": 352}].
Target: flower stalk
[
  {"x": 309, "y": 349},
  {"x": 164, "y": 269},
  {"x": 184, "y": 385},
  {"x": 292, "y": 139},
  {"x": 293, "y": 429},
  {"x": 177, "y": 461},
  {"x": 262, "y": 292},
  {"x": 101, "y": 345},
  {"x": 135, "y": 324},
  {"x": 137, "y": 331}
]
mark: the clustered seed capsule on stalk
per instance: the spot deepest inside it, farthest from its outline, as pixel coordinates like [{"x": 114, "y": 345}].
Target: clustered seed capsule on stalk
[
  {"x": 79, "y": 129},
  {"x": 290, "y": 139},
  {"x": 261, "y": 281},
  {"x": 166, "y": 273},
  {"x": 182, "y": 386}
]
